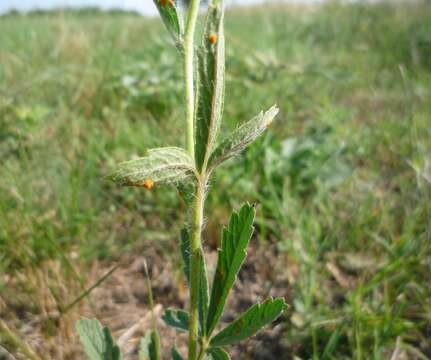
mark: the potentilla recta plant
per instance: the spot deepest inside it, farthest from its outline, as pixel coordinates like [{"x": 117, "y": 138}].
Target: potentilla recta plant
[{"x": 190, "y": 170}]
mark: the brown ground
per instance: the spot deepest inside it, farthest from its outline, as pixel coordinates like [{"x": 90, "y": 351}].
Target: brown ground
[{"x": 120, "y": 302}]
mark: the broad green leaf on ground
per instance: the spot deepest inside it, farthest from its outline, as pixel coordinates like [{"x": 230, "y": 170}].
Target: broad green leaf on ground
[
  {"x": 210, "y": 84},
  {"x": 250, "y": 322},
  {"x": 176, "y": 355},
  {"x": 170, "y": 16},
  {"x": 232, "y": 254},
  {"x": 178, "y": 319},
  {"x": 242, "y": 137},
  {"x": 163, "y": 165},
  {"x": 217, "y": 354},
  {"x": 149, "y": 347},
  {"x": 97, "y": 341}
]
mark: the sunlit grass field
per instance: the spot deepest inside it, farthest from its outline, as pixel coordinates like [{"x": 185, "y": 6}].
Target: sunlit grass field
[{"x": 343, "y": 184}]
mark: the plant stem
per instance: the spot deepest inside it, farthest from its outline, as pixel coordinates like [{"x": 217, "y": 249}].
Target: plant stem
[
  {"x": 189, "y": 55},
  {"x": 195, "y": 264},
  {"x": 196, "y": 243},
  {"x": 203, "y": 350}
]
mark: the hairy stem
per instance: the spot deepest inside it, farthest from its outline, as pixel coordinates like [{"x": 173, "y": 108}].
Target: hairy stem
[
  {"x": 196, "y": 243},
  {"x": 189, "y": 56},
  {"x": 195, "y": 264}
]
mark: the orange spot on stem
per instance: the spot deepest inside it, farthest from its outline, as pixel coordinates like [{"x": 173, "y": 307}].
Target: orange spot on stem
[
  {"x": 213, "y": 39},
  {"x": 148, "y": 184}
]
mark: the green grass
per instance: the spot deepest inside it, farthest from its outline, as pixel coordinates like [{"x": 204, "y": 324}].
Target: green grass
[{"x": 342, "y": 187}]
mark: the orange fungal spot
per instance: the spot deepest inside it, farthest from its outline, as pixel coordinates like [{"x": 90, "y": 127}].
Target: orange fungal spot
[
  {"x": 148, "y": 184},
  {"x": 213, "y": 39}
]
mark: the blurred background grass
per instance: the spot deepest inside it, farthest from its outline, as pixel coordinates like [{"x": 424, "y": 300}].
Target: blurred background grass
[{"x": 342, "y": 179}]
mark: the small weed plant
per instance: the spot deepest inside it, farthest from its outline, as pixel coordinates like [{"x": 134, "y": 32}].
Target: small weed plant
[{"x": 190, "y": 171}]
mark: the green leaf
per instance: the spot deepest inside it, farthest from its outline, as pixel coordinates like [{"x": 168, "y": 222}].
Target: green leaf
[
  {"x": 170, "y": 16},
  {"x": 162, "y": 165},
  {"x": 149, "y": 348},
  {"x": 242, "y": 137},
  {"x": 176, "y": 355},
  {"x": 97, "y": 341},
  {"x": 185, "y": 251},
  {"x": 218, "y": 354},
  {"x": 203, "y": 292},
  {"x": 332, "y": 343},
  {"x": 250, "y": 323},
  {"x": 178, "y": 319},
  {"x": 202, "y": 277},
  {"x": 232, "y": 254},
  {"x": 210, "y": 84}
]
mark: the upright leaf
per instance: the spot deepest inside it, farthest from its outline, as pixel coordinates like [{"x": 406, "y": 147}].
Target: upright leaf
[
  {"x": 210, "y": 84},
  {"x": 170, "y": 16},
  {"x": 176, "y": 355},
  {"x": 162, "y": 165},
  {"x": 218, "y": 354},
  {"x": 185, "y": 251},
  {"x": 250, "y": 322},
  {"x": 178, "y": 319},
  {"x": 97, "y": 341},
  {"x": 203, "y": 292},
  {"x": 202, "y": 277},
  {"x": 242, "y": 137},
  {"x": 149, "y": 347},
  {"x": 230, "y": 258}
]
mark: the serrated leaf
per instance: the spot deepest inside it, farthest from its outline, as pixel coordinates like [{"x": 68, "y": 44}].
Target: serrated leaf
[
  {"x": 218, "y": 354},
  {"x": 210, "y": 84},
  {"x": 149, "y": 347},
  {"x": 170, "y": 16},
  {"x": 97, "y": 341},
  {"x": 242, "y": 137},
  {"x": 178, "y": 319},
  {"x": 176, "y": 355},
  {"x": 162, "y": 165},
  {"x": 232, "y": 254},
  {"x": 250, "y": 322}
]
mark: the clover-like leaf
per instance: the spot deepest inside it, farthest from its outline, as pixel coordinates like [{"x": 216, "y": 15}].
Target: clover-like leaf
[
  {"x": 97, "y": 341},
  {"x": 176, "y": 318},
  {"x": 149, "y": 347},
  {"x": 210, "y": 84},
  {"x": 250, "y": 322},
  {"x": 242, "y": 137},
  {"x": 232, "y": 254},
  {"x": 169, "y": 13},
  {"x": 162, "y": 165},
  {"x": 217, "y": 353}
]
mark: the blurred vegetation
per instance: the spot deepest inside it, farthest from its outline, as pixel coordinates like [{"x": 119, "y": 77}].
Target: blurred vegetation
[{"x": 343, "y": 188}]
